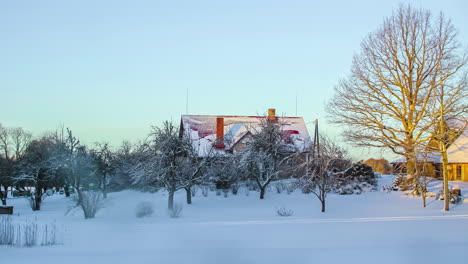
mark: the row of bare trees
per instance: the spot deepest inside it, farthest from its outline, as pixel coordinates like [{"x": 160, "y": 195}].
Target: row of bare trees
[
  {"x": 172, "y": 161},
  {"x": 409, "y": 78},
  {"x": 168, "y": 160},
  {"x": 56, "y": 161}
]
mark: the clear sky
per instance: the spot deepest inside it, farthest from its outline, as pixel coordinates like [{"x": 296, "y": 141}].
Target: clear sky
[{"x": 110, "y": 69}]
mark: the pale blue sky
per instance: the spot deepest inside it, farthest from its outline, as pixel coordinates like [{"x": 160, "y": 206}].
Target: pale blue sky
[{"x": 111, "y": 69}]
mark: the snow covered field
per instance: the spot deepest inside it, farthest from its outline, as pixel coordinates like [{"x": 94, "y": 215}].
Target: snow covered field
[{"x": 376, "y": 227}]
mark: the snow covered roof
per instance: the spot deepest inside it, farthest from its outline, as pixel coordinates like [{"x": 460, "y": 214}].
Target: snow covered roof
[
  {"x": 202, "y": 130},
  {"x": 457, "y": 152}
]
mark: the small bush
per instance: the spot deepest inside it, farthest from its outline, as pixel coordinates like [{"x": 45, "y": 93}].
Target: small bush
[
  {"x": 89, "y": 201},
  {"x": 176, "y": 210},
  {"x": 398, "y": 182},
  {"x": 280, "y": 186},
  {"x": 218, "y": 192},
  {"x": 282, "y": 211},
  {"x": 205, "y": 190},
  {"x": 194, "y": 191},
  {"x": 386, "y": 188},
  {"x": 235, "y": 188},
  {"x": 144, "y": 209}
]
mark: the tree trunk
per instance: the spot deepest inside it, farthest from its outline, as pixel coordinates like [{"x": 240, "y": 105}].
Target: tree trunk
[
  {"x": 262, "y": 192},
  {"x": 37, "y": 203},
  {"x": 323, "y": 205},
  {"x": 3, "y": 195},
  {"x": 424, "y": 198},
  {"x": 443, "y": 150},
  {"x": 104, "y": 192},
  {"x": 37, "y": 198},
  {"x": 170, "y": 201},
  {"x": 188, "y": 191},
  {"x": 67, "y": 190},
  {"x": 445, "y": 177}
]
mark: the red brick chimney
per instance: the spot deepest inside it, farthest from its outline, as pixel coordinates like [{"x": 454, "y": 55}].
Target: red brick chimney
[
  {"x": 219, "y": 133},
  {"x": 271, "y": 114}
]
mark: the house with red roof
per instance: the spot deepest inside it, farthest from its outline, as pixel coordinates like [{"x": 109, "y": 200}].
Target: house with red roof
[{"x": 229, "y": 134}]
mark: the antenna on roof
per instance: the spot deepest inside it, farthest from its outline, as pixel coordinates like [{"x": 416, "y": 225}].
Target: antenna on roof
[{"x": 186, "y": 103}]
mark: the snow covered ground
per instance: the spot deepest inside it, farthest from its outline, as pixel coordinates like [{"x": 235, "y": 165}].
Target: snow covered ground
[{"x": 376, "y": 227}]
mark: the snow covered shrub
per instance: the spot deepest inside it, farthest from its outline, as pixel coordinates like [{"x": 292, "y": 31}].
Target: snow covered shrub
[
  {"x": 218, "y": 192},
  {"x": 176, "y": 210},
  {"x": 144, "y": 209},
  {"x": 283, "y": 211},
  {"x": 235, "y": 188},
  {"x": 89, "y": 201},
  {"x": 225, "y": 192},
  {"x": 290, "y": 189},
  {"x": 252, "y": 186},
  {"x": 280, "y": 186},
  {"x": 194, "y": 191},
  {"x": 398, "y": 182},
  {"x": 386, "y": 188},
  {"x": 205, "y": 191},
  {"x": 223, "y": 184},
  {"x": 357, "y": 179}
]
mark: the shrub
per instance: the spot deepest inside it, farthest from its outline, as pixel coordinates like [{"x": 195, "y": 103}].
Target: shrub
[
  {"x": 218, "y": 192},
  {"x": 357, "y": 179},
  {"x": 89, "y": 201},
  {"x": 235, "y": 188},
  {"x": 204, "y": 191},
  {"x": 280, "y": 186},
  {"x": 194, "y": 191},
  {"x": 282, "y": 211},
  {"x": 223, "y": 184},
  {"x": 290, "y": 189},
  {"x": 398, "y": 182},
  {"x": 144, "y": 209},
  {"x": 176, "y": 210}
]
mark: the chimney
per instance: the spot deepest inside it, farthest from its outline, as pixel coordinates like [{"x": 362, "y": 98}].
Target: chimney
[
  {"x": 271, "y": 114},
  {"x": 219, "y": 133}
]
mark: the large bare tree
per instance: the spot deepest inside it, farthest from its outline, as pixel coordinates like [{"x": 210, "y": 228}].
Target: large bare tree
[{"x": 390, "y": 97}]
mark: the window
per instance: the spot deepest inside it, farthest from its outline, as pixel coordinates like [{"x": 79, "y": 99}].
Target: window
[{"x": 459, "y": 172}]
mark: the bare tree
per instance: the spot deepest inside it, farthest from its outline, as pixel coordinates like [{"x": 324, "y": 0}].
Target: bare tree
[
  {"x": 13, "y": 144},
  {"x": 169, "y": 161},
  {"x": 265, "y": 153},
  {"x": 319, "y": 171},
  {"x": 37, "y": 168},
  {"x": 390, "y": 97},
  {"x": 103, "y": 159}
]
